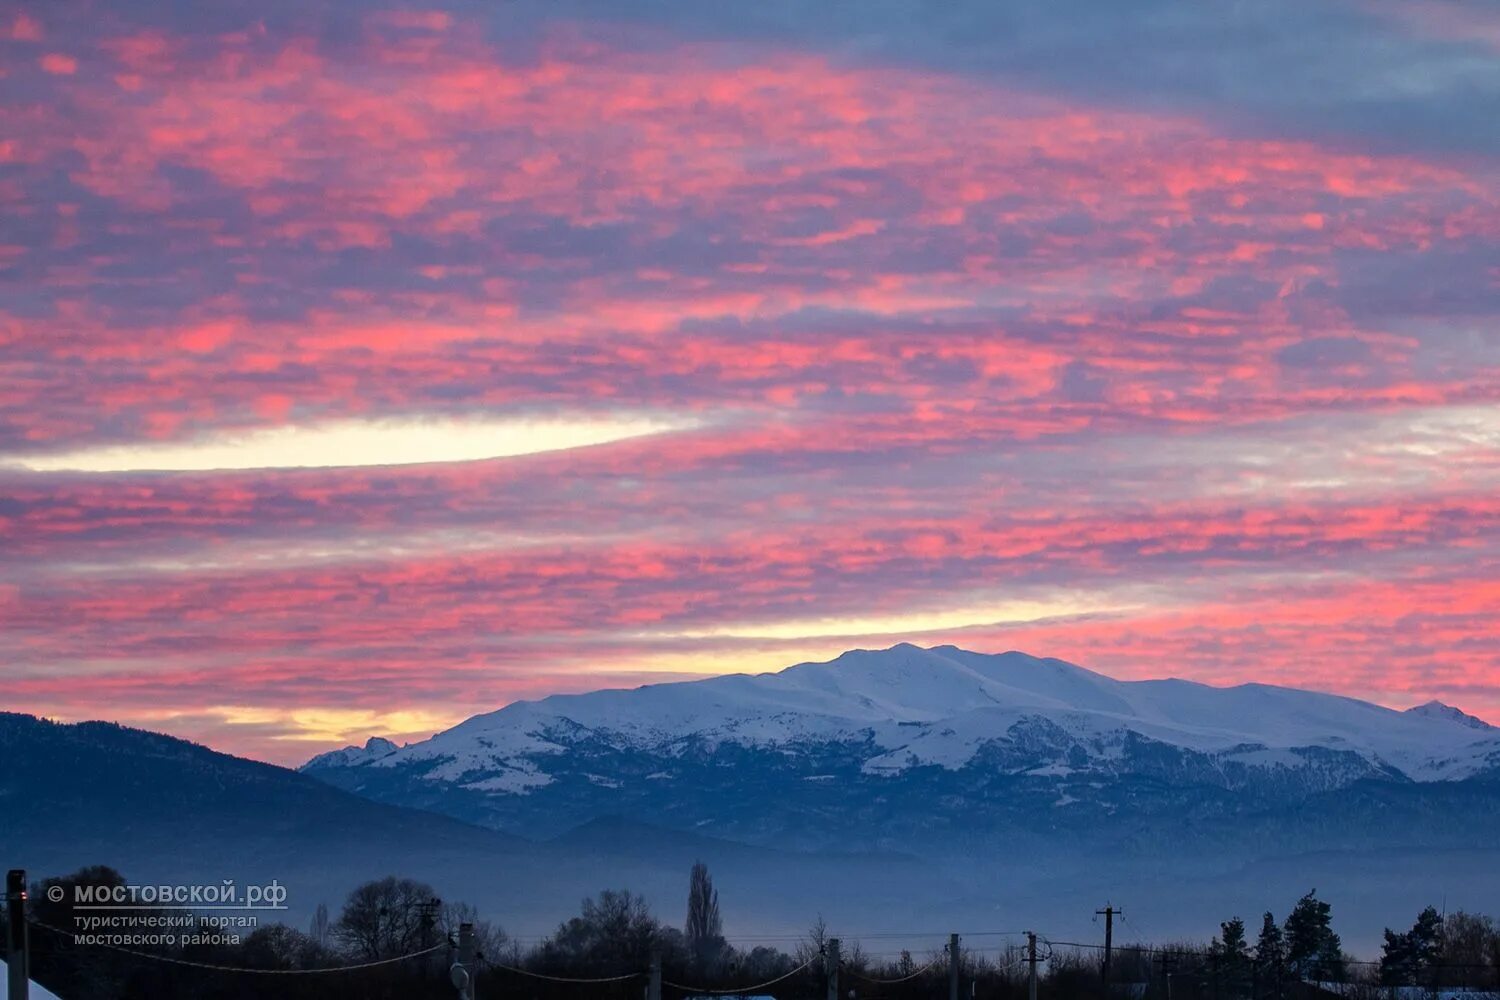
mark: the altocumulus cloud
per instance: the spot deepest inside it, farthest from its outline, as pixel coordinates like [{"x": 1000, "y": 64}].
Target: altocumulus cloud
[{"x": 363, "y": 367}]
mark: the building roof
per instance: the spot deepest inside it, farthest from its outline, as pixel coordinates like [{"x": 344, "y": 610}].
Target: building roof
[{"x": 37, "y": 992}]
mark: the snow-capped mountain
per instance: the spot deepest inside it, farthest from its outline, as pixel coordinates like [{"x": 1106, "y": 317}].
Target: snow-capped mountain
[
  {"x": 1005, "y": 741},
  {"x": 375, "y": 748},
  {"x": 1437, "y": 710}
]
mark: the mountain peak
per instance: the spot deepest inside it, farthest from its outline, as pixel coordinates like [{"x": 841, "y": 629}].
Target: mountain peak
[
  {"x": 375, "y": 747},
  {"x": 906, "y": 682},
  {"x": 1438, "y": 710}
]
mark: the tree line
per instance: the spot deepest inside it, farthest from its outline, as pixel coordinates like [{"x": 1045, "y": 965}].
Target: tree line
[
  {"x": 615, "y": 937},
  {"x": 1303, "y": 956}
]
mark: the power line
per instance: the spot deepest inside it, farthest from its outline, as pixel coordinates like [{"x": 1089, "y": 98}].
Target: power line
[
  {"x": 874, "y": 935},
  {"x": 903, "y": 979},
  {"x": 1176, "y": 952},
  {"x": 230, "y": 968},
  {"x": 1141, "y": 933},
  {"x": 563, "y": 979},
  {"x": 741, "y": 989},
  {"x": 1180, "y": 952}
]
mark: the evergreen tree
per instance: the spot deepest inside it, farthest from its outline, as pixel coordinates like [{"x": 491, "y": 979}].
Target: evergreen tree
[
  {"x": 319, "y": 928},
  {"x": 1233, "y": 956},
  {"x": 1395, "y": 960},
  {"x": 1407, "y": 958},
  {"x": 1426, "y": 937},
  {"x": 1313, "y": 950},
  {"x": 704, "y": 930},
  {"x": 1270, "y": 958}
]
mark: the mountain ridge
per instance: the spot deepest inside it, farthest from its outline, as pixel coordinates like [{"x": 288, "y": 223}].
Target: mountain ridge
[
  {"x": 784, "y": 808},
  {"x": 945, "y": 752},
  {"x": 166, "y": 811},
  {"x": 950, "y": 702}
]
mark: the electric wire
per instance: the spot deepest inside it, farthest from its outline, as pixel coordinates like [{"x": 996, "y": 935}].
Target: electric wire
[
  {"x": 904, "y": 979},
  {"x": 236, "y": 969},
  {"x": 564, "y": 979},
  {"x": 741, "y": 989}
]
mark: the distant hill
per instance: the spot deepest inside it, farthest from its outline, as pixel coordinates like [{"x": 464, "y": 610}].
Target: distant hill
[
  {"x": 163, "y": 810},
  {"x": 160, "y": 808}
]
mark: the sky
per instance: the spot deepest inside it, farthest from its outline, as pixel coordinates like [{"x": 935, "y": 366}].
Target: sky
[{"x": 365, "y": 366}]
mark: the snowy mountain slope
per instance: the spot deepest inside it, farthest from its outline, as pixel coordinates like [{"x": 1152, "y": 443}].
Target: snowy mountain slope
[
  {"x": 944, "y": 752},
  {"x": 375, "y": 747},
  {"x": 1437, "y": 710},
  {"x": 939, "y": 707}
]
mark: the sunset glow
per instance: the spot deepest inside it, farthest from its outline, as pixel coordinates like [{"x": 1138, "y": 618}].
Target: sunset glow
[{"x": 365, "y": 368}]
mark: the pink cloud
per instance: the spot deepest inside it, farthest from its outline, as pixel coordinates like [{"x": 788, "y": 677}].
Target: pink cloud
[
  {"x": 24, "y": 28},
  {"x": 58, "y": 64},
  {"x": 946, "y": 335}
]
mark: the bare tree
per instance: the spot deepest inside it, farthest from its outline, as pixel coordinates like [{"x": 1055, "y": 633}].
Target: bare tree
[
  {"x": 277, "y": 946},
  {"x": 386, "y": 918},
  {"x": 491, "y": 942},
  {"x": 614, "y": 933},
  {"x": 1471, "y": 950},
  {"x": 814, "y": 942}
]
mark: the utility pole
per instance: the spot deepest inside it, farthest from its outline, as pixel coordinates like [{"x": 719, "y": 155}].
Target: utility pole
[
  {"x": 1167, "y": 960},
  {"x": 460, "y": 972},
  {"x": 426, "y": 921},
  {"x": 952, "y": 967},
  {"x": 1031, "y": 960},
  {"x": 1108, "y": 913},
  {"x": 653, "y": 983},
  {"x": 17, "y": 950},
  {"x": 831, "y": 962}
]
